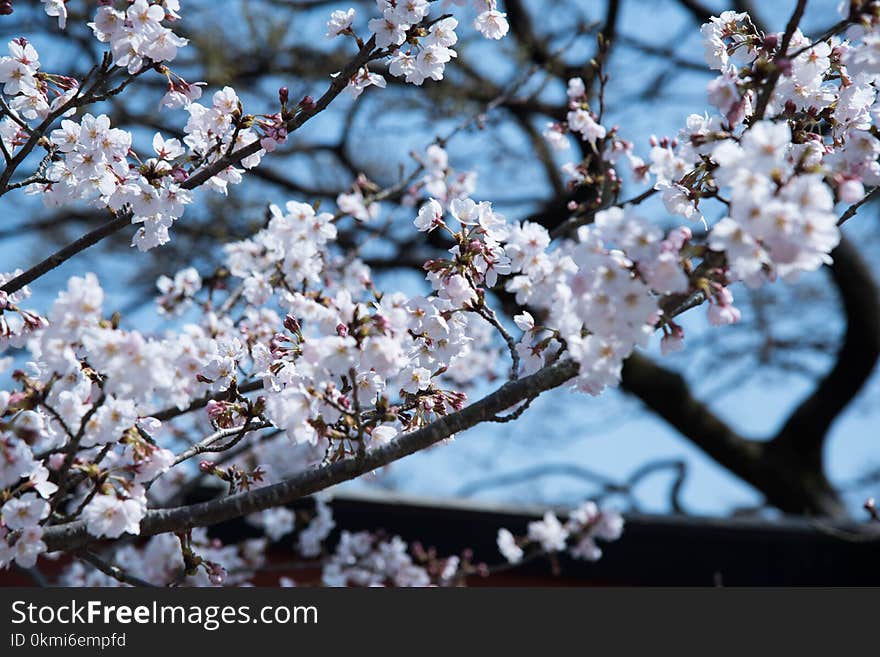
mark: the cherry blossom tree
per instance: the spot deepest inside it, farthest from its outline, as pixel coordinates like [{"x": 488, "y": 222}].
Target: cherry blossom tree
[{"x": 302, "y": 371}]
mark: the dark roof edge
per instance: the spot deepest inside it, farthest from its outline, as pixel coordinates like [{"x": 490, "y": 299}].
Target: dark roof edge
[{"x": 866, "y": 531}]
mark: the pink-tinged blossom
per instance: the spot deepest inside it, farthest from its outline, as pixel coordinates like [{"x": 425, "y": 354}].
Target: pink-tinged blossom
[
  {"x": 524, "y": 321},
  {"x": 339, "y": 22},
  {"x": 363, "y": 79},
  {"x": 576, "y": 89},
  {"x": 276, "y": 522},
  {"x": 112, "y": 516},
  {"x": 492, "y": 24},
  {"x": 25, "y": 511},
  {"x": 156, "y": 463},
  {"x": 580, "y": 120},
  {"x": 508, "y": 548},
  {"x": 677, "y": 200},
  {"x": 389, "y": 31},
  {"x": 18, "y": 70},
  {"x": 57, "y": 9},
  {"x": 382, "y": 435},
  {"x": 548, "y": 532},
  {"x": 137, "y": 34},
  {"x": 430, "y": 216},
  {"x": 28, "y": 547}
]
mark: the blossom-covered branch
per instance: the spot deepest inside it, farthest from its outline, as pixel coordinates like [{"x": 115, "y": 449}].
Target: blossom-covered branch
[{"x": 297, "y": 337}]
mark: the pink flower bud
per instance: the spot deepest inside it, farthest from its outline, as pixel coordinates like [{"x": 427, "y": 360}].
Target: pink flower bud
[
  {"x": 381, "y": 322},
  {"x": 214, "y": 408},
  {"x": 720, "y": 315},
  {"x": 723, "y": 296},
  {"x": 291, "y": 324},
  {"x": 784, "y": 66},
  {"x": 216, "y": 574}
]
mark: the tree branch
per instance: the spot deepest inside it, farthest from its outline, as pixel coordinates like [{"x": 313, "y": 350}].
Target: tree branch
[
  {"x": 124, "y": 219},
  {"x": 806, "y": 429},
  {"x": 667, "y": 393},
  {"x": 74, "y": 535}
]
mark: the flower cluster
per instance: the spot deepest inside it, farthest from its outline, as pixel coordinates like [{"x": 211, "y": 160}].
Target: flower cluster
[
  {"x": 94, "y": 165},
  {"x": 364, "y": 559},
  {"x": 778, "y": 174},
  {"x": 33, "y": 93},
  {"x": 607, "y": 149},
  {"x": 136, "y": 34},
  {"x": 21, "y": 536},
  {"x": 16, "y": 323},
  {"x": 361, "y": 559},
  {"x": 164, "y": 560},
  {"x": 178, "y": 292},
  {"x": 439, "y": 180},
  {"x": 579, "y": 287},
  {"x": 88, "y": 160},
  {"x": 419, "y": 49},
  {"x": 578, "y": 535},
  {"x": 215, "y": 131},
  {"x": 429, "y": 61},
  {"x": 65, "y": 403},
  {"x": 781, "y": 222}
]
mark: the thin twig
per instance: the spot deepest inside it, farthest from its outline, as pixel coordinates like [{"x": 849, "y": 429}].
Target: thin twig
[
  {"x": 579, "y": 220},
  {"x": 207, "y": 444},
  {"x": 770, "y": 84},
  {"x": 854, "y": 208},
  {"x": 111, "y": 570}
]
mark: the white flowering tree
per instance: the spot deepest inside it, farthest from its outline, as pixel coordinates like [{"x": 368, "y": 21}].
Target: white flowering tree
[{"x": 301, "y": 372}]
